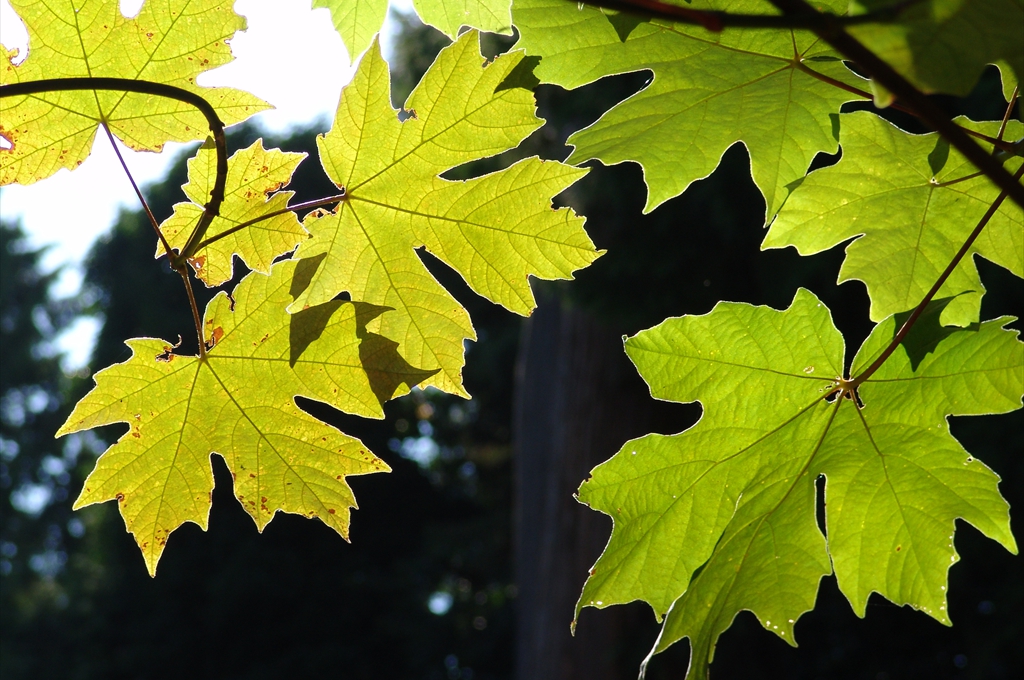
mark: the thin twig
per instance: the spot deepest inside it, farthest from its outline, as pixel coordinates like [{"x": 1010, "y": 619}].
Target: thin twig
[
  {"x": 183, "y": 271},
  {"x": 926, "y": 110},
  {"x": 318, "y": 203},
  {"x": 212, "y": 208},
  {"x": 1009, "y": 111},
  {"x": 138, "y": 192},
  {"x": 912, "y": 319}
]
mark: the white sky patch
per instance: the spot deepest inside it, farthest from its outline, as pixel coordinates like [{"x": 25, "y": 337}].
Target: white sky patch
[{"x": 290, "y": 56}]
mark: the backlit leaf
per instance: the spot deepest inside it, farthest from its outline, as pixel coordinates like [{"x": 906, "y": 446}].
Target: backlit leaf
[
  {"x": 887, "y": 189},
  {"x": 239, "y": 402},
  {"x": 359, "y": 20},
  {"x": 496, "y": 230},
  {"x": 169, "y": 42},
  {"x": 721, "y": 517},
  {"x": 943, "y": 45},
  {"x": 254, "y": 174},
  {"x": 709, "y": 91},
  {"x": 448, "y": 16}
]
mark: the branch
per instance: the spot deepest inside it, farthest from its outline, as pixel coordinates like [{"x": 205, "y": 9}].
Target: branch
[
  {"x": 912, "y": 319},
  {"x": 717, "y": 20},
  {"x": 212, "y": 208},
  {"x": 924, "y": 108}
]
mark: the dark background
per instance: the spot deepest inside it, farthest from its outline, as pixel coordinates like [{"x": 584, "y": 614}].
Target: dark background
[{"x": 485, "y": 520}]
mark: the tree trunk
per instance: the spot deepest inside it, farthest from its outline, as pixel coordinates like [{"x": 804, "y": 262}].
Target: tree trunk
[{"x": 578, "y": 400}]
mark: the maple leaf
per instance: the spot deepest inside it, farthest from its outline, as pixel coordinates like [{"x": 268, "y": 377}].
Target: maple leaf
[
  {"x": 239, "y": 401},
  {"x": 943, "y": 45},
  {"x": 448, "y": 16},
  {"x": 495, "y": 230},
  {"x": 721, "y": 517},
  {"x": 359, "y": 20},
  {"x": 709, "y": 91},
  {"x": 169, "y": 42},
  {"x": 254, "y": 174},
  {"x": 911, "y": 219}
]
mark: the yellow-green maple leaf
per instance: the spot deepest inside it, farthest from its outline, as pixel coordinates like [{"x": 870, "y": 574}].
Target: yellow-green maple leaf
[
  {"x": 239, "y": 401},
  {"x": 495, "y": 230},
  {"x": 169, "y": 42},
  {"x": 254, "y": 174},
  {"x": 359, "y": 20}
]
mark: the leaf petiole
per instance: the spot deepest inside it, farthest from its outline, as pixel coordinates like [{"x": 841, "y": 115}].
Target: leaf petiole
[
  {"x": 912, "y": 319},
  {"x": 308, "y": 205},
  {"x": 183, "y": 272},
  {"x": 1009, "y": 111},
  {"x": 138, "y": 192}
]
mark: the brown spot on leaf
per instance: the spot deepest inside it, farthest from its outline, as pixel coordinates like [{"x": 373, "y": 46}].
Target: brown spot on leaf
[
  {"x": 215, "y": 336},
  {"x": 331, "y": 511},
  {"x": 899, "y": 548},
  {"x": 120, "y": 497}
]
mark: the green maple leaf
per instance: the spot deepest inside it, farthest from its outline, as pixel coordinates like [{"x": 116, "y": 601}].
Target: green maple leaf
[
  {"x": 254, "y": 175},
  {"x": 359, "y": 20},
  {"x": 239, "y": 401},
  {"x": 943, "y": 45},
  {"x": 496, "y": 230},
  {"x": 909, "y": 226},
  {"x": 168, "y": 42},
  {"x": 721, "y": 518},
  {"x": 448, "y": 16},
  {"x": 709, "y": 91}
]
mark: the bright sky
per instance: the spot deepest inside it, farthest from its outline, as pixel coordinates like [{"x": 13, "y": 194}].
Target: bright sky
[{"x": 280, "y": 33}]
